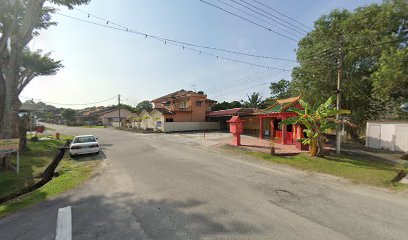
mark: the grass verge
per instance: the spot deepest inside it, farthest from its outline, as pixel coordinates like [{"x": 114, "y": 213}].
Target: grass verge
[
  {"x": 358, "y": 169},
  {"x": 33, "y": 163}
]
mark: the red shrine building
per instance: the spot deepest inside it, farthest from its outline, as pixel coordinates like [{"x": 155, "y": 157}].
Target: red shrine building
[
  {"x": 270, "y": 118},
  {"x": 264, "y": 123}
]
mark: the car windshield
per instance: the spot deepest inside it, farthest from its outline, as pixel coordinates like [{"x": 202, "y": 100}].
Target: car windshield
[{"x": 84, "y": 139}]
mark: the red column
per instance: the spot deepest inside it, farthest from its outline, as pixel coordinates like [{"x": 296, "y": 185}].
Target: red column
[
  {"x": 272, "y": 122},
  {"x": 283, "y": 132},
  {"x": 261, "y": 127}
]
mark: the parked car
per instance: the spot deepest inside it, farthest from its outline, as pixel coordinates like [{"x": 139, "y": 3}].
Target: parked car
[{"x": 84, "y": 144}]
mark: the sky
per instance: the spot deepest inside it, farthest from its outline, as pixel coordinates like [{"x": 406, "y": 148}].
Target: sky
[{"x": 101, "y": 63}]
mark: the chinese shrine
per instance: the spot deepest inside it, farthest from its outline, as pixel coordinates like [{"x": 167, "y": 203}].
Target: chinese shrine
[{"x": 270, "y": 118}]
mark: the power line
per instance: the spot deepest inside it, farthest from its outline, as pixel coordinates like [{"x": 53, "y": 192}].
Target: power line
[
  {"x": 248, "y": 20},
  {"x": 251, "y": 15},
  {"x": 71, "y": 104},
  {"x": 172, "y": 43},
  {"x": 243, "y": 80},
  {"x": 283, "y": 14},
  {"x": 252, "y": 7},
  {"x": 182, "y": 42},
  {"x": 243, "y": 84}
]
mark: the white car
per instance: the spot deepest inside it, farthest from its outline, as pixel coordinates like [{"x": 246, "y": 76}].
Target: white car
[{"x": 84, "y": 144}]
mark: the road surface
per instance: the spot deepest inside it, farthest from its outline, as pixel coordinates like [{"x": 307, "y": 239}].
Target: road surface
[{"x": 170, "y": 187}]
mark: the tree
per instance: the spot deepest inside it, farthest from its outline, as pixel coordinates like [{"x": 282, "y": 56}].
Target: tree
[
  {"x": 226, "y": 105},
  {"x": 366, "y": 35},
  {"x": 35, "y": 64},
  {"x": 254, "y": 100},
  {"x": 144, "y": 105},
  {"x": 390, "y": 84},
  {"x": 20, "y": 21},
  {"x": 69, "y": 114},
  {"x": 280, "y": 89},
  {"x": 318, "y": 122}
]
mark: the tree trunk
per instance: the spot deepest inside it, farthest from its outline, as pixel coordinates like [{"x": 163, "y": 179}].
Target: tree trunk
[
  {"x": 313, "y": 147},
  {"x": 320, "y": 147}
]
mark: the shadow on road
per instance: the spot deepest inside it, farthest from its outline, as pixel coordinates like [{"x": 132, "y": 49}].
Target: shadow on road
[
  {"x": 124, "y": 217},
  {"x": 90, "y": 157}
]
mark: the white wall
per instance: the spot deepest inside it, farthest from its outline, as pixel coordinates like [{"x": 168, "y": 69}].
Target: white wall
[
  {"x": 189, "y": 126},
  {"x": 150, "y": 120},
  {"x": 391, "y": 136}
]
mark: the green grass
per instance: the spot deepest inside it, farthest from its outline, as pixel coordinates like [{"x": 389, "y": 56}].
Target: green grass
[
  {"x": 71, "y": 173},
  {"x": 355, "y": 168}
]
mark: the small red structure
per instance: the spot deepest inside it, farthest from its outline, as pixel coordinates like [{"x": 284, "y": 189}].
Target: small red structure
[
  {"x": 270, "y": 118},
  {"x": 236, "y": 128}
]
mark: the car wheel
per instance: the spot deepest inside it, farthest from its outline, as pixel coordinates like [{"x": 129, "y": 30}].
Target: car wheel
[
  {"x": 72, "y": 155},
  {"x": 97, "y": 153}
]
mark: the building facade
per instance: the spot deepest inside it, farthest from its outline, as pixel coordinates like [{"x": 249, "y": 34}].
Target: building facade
[{"x": 184, "y": 106}]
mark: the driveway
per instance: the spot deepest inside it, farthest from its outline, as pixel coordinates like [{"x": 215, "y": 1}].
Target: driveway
[{"x": 172, "y": 187}]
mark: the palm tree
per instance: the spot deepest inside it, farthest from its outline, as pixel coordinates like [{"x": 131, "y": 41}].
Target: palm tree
[
  {"x": 318, "y": 122},
  {"x": 254, "y": 100}
]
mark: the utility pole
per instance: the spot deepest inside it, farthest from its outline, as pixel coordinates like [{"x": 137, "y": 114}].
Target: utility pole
[
  {"x": 338, "y": 94},
  {"x": 120, "y": 122}
]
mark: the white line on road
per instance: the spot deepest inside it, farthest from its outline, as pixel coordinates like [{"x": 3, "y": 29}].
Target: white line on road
[{"x": 64, "y": 224}]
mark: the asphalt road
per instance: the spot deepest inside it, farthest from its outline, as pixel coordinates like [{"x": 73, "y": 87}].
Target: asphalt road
[{"x": 170, "y": 187}]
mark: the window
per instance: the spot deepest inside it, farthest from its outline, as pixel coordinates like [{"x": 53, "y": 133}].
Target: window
[
  {"x": 169, "y": 119},
  {"x": 183, "y": 104},
  {"x": 198, "y": 103},
  {"x": 84, "y": 139}
]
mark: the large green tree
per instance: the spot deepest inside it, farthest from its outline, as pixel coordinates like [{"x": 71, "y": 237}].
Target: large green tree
[
  {"x": 280, "y": 89},
  {"x": 367, "y": 40},
  {"x": 69, "y": 114},
  {"x": 144, "y": 105},
  {"x": 20, "y": 21}
]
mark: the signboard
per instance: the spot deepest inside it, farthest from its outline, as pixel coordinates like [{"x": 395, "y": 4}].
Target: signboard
[{"x": 9, "y": 146}]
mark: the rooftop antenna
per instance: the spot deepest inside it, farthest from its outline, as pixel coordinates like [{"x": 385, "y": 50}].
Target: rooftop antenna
[{"x": 194, "y": 87}]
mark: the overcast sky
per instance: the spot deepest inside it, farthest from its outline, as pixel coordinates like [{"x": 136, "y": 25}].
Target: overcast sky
[{"x": 101, "y": 63}]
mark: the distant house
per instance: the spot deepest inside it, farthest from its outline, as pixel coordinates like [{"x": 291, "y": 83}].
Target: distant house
[
  {"x": 105, "y": 116},
  {"x": 110, "y": 117},
  {"x": 179, "y": 111},
  {"x": 184, "y": 106}
]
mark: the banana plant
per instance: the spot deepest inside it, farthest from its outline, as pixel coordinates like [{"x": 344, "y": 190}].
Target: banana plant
[{"x": 318, "y": 122}]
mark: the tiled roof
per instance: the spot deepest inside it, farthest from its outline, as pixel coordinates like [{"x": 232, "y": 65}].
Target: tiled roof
[
  {"x": 282, "y": 105},
  {"x": 231, "y": 112},
  {"x": 163, "y": 110},
  {"x": 179, "y": 94}
]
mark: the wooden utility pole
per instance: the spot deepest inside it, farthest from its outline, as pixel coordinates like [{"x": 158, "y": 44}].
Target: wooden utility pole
[
  {"x": 120, "y": 122},
  {"x": 338, "y": 94}
]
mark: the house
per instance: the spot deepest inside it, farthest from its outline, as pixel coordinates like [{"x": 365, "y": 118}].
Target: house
[
  {"x": 179, "y": 111},
  {"x": 110, "y": 117},
  {"x": 223, "y": 116},
  {"x": 184, "y": 106}
]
